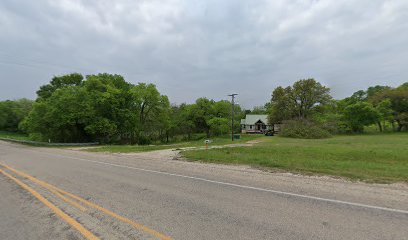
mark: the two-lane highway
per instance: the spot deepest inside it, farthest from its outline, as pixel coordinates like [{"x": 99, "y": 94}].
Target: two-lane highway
[{"x": 137, "y": 197}]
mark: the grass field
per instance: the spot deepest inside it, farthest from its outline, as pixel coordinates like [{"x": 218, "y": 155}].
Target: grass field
[
  {"x": 196, "y": 143},
  {"x": 373, "y": 157},
  {"x": 13, "y": 135}
]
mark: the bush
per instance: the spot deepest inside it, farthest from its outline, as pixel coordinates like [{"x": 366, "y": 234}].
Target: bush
[
  {"x": 219, "y": 126},
  {"x": 144, "y": 140},
  {"x": 303, "y": 129}
]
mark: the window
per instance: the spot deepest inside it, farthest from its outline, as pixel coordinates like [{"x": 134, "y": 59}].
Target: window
[{"x": 250, "y": 126}]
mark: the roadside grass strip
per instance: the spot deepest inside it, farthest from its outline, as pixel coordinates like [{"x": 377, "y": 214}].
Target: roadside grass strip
[{"x": 65, "y": 196}]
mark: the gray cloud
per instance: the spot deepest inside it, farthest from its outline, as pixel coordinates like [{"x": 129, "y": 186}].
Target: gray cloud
[{"x": 192, "y": 48}]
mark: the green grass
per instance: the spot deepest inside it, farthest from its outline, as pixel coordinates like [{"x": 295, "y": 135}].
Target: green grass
[
  {"x": 126, "y": 148},
  {"x": 13, "y": 135},
  {"x": 196, "y": 143},
  {"x": 372, "y": 157}
]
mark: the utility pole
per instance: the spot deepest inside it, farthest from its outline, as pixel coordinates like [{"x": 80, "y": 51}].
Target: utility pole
[{"x": 232, "y": 114}]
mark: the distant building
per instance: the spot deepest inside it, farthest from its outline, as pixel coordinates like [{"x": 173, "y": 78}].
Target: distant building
[{"x": 255, "y": 124}]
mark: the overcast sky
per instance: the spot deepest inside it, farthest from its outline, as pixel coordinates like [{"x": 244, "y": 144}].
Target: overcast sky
[{"x": 195, "y": 48}]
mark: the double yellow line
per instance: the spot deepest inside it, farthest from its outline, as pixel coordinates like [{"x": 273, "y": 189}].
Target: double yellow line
[{"x": 64, "y": 196}]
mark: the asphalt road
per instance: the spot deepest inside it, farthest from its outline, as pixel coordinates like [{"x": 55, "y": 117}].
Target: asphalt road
[{"x": 151, "y": 196}]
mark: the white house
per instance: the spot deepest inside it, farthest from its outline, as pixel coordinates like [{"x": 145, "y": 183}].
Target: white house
[{"x": 255, "y": 124}]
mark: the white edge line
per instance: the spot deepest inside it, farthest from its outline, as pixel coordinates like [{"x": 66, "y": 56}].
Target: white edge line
[{"x": 239, "y": 186}]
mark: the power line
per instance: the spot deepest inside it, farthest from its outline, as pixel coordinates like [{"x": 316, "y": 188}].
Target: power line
[{"x": 34, "y": 63}]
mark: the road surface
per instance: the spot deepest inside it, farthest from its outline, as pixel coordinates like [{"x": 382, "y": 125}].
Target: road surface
[{"x": 51, "y": 193}]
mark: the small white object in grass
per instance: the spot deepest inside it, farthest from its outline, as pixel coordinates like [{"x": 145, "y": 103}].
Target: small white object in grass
[{"x": 207, "y": 141}]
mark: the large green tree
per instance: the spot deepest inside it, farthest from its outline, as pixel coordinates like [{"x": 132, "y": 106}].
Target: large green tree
[
  {"x": 153, "y": 111},
  {"x": 73, "y": 79},
  {"x": 200, "y": 113},
  {"x": 398, "y": 105},
  {"x": 111, "y": 100},
  {"x": 103, "y": 107},
  {"x": 360, "y": 114},
  {"x": 62, "y": 118},
  {"x": 181, "y": 122},
  {"x": 300, "y": 101}
]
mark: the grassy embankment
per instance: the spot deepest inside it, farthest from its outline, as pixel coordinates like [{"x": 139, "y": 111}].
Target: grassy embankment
[
  {"x": 195, "y": 143},
  {"x": 13, "y": 135},
  {"x": 372, "y": 157}
]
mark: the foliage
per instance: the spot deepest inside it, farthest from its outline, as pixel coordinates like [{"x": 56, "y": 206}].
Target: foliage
[
  {"x": 301, "y": 101},
  {"x": 103, "y": 107},
  {"x": 258, "y": 110},
  {"x": 303, "y": 129},
  {"x": 219, "y": 126},
  {"x": 384, "y": 108},
  {"x": 359, "y": 115},
  {"x": 57, "y": 82},
  {"x": 13, "y": 112},
  {"x": 396, "y": 100},
  {"x": 62, "y": 117},
  {"x": 382, "y": 104},
  {"x": 181, "y": 122},
  {"x": 204, "y": 110},
  {"x": 281, "y": 107},
  {"x": 106, "y": 108}
]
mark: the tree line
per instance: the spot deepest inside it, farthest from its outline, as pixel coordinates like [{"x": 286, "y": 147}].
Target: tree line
[
  {"x": 307, "y": 107},
  {"x": 107, "y": 109}
]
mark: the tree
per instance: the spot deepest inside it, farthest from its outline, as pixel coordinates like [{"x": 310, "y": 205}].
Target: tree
[
  {"x": 305, "y": 98},
  {"x": 57, "y": 82},
  {"x": 384, "y": 108},
  {"x": 152, "y": 110},
  {"x": 258, "y": 110},
  {"x": 399, "y": 104},
  {"x": 181, "y": 122},
  {"x": 359, "y": 96},
  {"x": 111, "y": 101},
  {"x": 13, "y": 112},
  {"x": 201, "y": 112},
  {"x": 308, "y": 96},
  {"x": 222, "y": 109},
  {"x": 372, "y": 91},
  {"x": 219, "y": 126},
  {"x": 398, "y": 98},
  {"x": 281, "y": 107},
  {"x": 104, "y": 108},
  {"x": 63, "y": 117},
  {"x": 359, "y": 115}
]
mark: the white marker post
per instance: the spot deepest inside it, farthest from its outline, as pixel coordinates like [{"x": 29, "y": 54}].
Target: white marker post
[{"x": 207, "y": 141}]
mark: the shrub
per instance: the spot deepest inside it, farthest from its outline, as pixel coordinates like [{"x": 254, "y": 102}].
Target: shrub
[
  {"x": 303, "y": 129},
  {"x": 144, "y": 140}
]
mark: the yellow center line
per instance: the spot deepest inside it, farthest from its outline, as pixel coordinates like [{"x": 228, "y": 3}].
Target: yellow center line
[
  {"x": 75, "y": 204},
  {"x": 106, "y": 211},
  {"x": 85, "y": 232}
]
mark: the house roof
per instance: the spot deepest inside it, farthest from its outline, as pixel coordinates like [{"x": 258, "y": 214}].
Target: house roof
[{"x": 252, "y": 119}]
